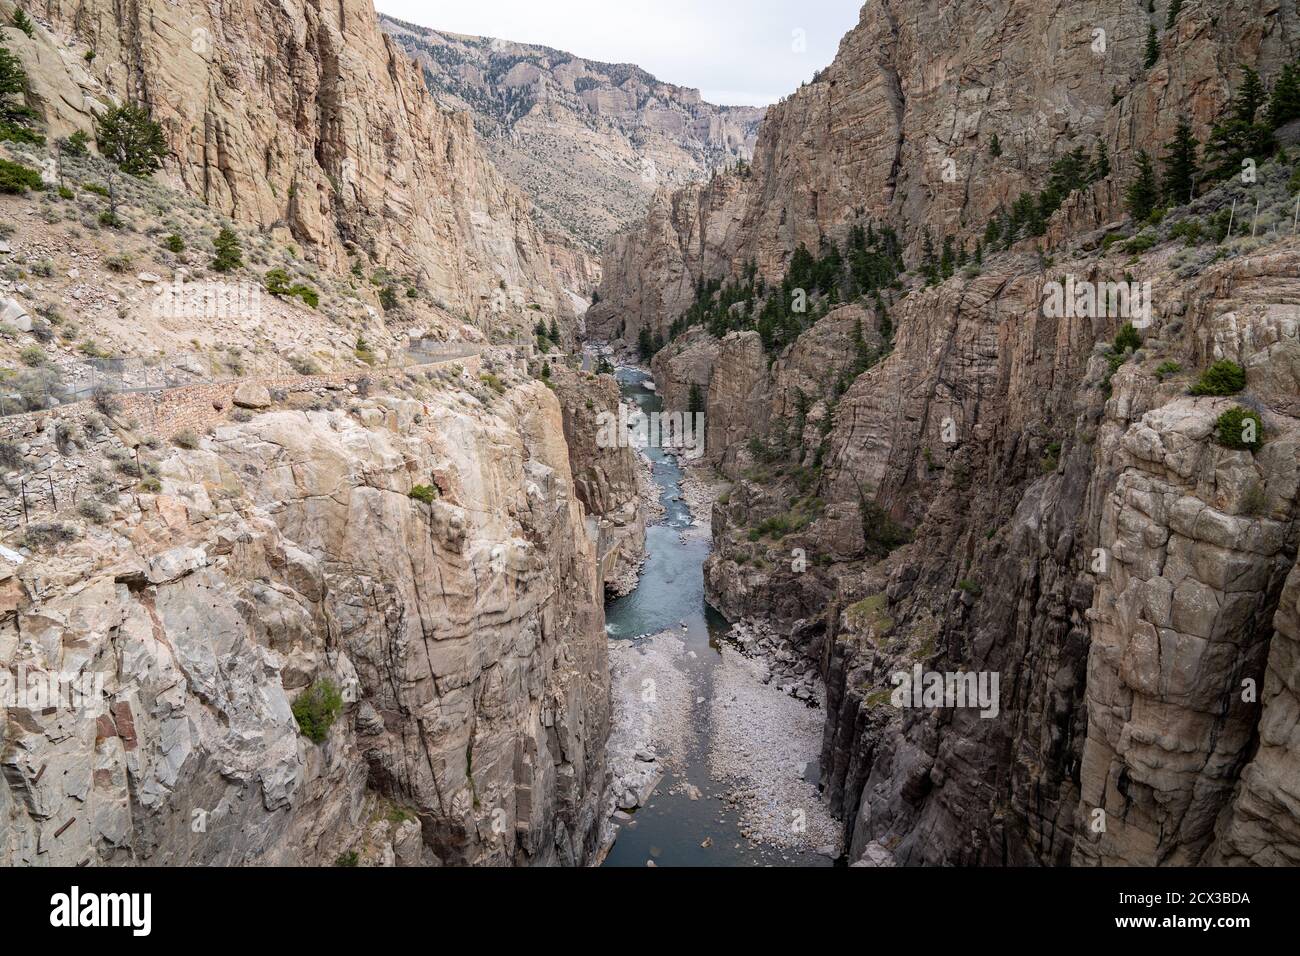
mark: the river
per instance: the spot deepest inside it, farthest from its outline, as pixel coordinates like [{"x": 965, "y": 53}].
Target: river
[{"x": 673, "y": 829}]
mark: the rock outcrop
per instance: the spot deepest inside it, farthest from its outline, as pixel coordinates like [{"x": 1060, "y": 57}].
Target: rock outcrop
[
  {"x": 606, "y": 476},
  {"x": 305, "y": 120},
  {"x": 421, "y": 555},
  {"x": 588, "y": 142},
  {"x": 900, "y": 127}
]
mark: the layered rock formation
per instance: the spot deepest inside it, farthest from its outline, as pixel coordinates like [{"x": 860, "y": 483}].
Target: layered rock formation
[
  {"x": 306, "y": 120},
  {"x": 587, "y": 141},
  {"x": 606, "y": 478},
  {"x": 464, "y": 634},
  {"x": 899, "y": 129},
  {"x": 1096, "y": 548},
  {"x": 1001, "y": 492}
]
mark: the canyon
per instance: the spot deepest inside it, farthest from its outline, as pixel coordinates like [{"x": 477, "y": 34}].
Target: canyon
[{"x": 361, "y": 584}]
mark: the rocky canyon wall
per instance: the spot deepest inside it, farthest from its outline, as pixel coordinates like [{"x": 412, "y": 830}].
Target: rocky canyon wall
[
  {"x": 899, "y": 130},
  {"x": 1001, "y": 492},
  {"x": 463, "y": 629},
  {"x": 304, "y": 119}
]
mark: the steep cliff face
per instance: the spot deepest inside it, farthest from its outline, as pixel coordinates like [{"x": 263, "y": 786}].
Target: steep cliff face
[
  {"x": 1087, "y": 540},
  {"x": 986, "y": 489},
  {"x": 587, "y": 141},
  {"x": 305, "y": 120},
  {"x": 900, "y": 127},
  {"x": 464, "y": 634},
  {"x": 606, "y": 476}
]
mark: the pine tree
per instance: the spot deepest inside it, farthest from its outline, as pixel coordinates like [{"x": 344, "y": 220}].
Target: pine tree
[
  {"x": 1100, "y": 163},
  {"x": 1174, "y": 7},
  {"x": 1153, "y": 47},
  {"x": 1238, "y": 136},
  {"x": 929, "y": 267},
  {"x": 1249, "y": 98},
  {"x": 695, "y": 401},
  {"x": 229, "y": 256},
  {"x": 1143, "y": 193},
  {"x": 127, "y": 135},
  {"x": 22, "y": 21},
  {"x": 1284, "y": 104},
  {"x": 13, "y": 83},
  {"x": 995, "y": 148},
  {"x": 1180, "y": 166},
  {"x": 993, "y": 231}
]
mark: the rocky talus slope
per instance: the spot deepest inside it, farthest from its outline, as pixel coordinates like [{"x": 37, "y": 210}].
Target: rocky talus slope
[
  {"x": 916, "y": 85},
  {"x": 307, "y": 122},
  {"x": 980, "y": 487},
  {"x": 463, "y": 627},
  {"x": 588, "y": 142}
]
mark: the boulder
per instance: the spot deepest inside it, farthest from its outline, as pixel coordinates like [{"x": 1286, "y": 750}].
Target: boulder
[{"x": 252, "y": 395}]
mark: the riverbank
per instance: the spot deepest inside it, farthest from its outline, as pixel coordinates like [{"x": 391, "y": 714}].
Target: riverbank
[{"x": 710, "y": 765}]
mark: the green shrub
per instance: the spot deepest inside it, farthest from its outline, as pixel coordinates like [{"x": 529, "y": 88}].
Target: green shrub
[
  {"x": 91, "y": 509},
  {"x": 18, "y": 133},
  {"x": 174, "y": 243},
  {"x": 95, "y": 188},
  {"x": 16, "y": 178},
  {"x": 1188, "y": 229},
  {"x": 185, "y": 438},
  {"x": 276, "y": 281},
  {"x": 1140, "y": 244},
  {"x": 880, "y": 532},
  {"x": 1051, "y": 458},
  {"x": 76, "y": 144},
  {"x": 66, "y": 193},
  {"x": 317, "y": 708},
  {"x": 33, "y": 356},
  {"x": 119, "y": 263},
  {"x": 1165, "y": 369},
  {"x": 1127, "y": 338},
  {"x": 348, "y": 859},
  {"x": 1240, "y": 428},
  {"x": 388, "y": 298},
  {"x": 1222, "y": 378},
  {"x": 426, "y": 493},
  {"x": 306, "y": 293},
  {"x": 970, "y": 587}
]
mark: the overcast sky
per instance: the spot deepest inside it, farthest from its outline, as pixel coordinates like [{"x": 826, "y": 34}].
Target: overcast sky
[{"x": 734, "y": 51}]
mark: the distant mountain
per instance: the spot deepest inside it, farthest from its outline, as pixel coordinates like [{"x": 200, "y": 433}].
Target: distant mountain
[{"x": 589, "y": 142}]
